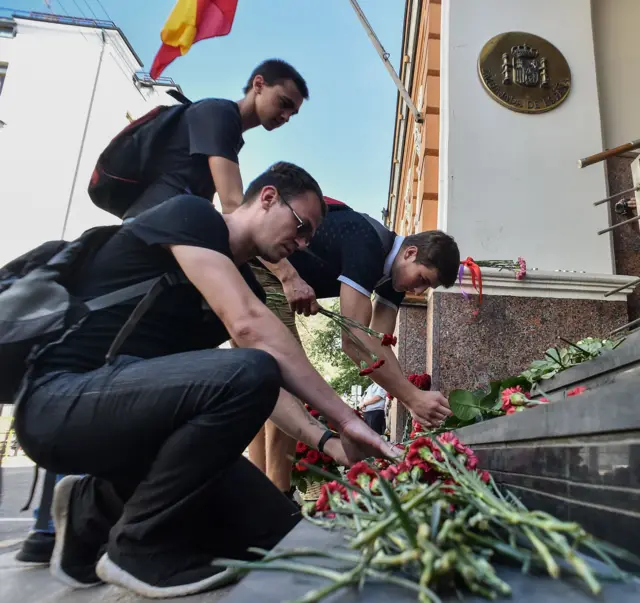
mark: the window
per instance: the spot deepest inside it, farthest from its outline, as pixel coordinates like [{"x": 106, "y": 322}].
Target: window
[
  {"x": 7, "y": 28},
  {"x": 3, "y": 73}
]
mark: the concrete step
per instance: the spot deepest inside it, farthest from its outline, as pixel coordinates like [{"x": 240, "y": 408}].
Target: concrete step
[{"x": 613, "y": 366}]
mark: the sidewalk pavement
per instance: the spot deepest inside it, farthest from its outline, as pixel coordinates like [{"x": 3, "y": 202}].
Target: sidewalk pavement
[{"x": 36, "y": 585}]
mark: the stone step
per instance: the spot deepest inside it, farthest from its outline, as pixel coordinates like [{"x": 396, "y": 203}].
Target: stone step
[
  {"x": 578, "y": 458},
  {"x": 610, "y": 367}
]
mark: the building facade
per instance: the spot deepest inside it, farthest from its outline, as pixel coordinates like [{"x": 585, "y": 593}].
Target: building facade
[
  {"x": 505, "y": 182},
  {"x": 67, "y": 86}
]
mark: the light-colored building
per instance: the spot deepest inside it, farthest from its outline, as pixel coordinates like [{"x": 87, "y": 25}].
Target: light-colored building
[
  {"x": 67, "y": 86},
  {"x": 505, "y": 183}
]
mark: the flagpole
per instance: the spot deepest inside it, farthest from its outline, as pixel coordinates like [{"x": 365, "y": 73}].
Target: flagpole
[{"x": 384, "y": 55}]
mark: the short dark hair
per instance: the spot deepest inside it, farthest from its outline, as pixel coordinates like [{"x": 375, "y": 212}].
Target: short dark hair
[
  {"x": 276, "y": 71},
  {"x": 439, "y": 250},
  {"x": 290, "y": 180}
]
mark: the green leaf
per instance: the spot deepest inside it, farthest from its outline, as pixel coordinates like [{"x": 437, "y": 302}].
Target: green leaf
[
  {"x": 491, "y": 398},
  {"x": 463, "y": 404},
  {"x": 539, "y": 364},
  {"x": 479, "y": 394}
]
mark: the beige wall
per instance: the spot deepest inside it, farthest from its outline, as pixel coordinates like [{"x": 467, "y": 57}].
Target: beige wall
[
  {"x": 617, "y": 46},
  {"x": 509, "y": 182}
]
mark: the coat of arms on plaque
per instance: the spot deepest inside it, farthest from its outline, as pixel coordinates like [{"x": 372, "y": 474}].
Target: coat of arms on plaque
[
  {"x": 524, "y": 66},
  {"x": 524, "y": 72}
]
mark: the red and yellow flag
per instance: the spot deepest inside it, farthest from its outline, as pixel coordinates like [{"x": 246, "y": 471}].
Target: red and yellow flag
[{"x": 189, "y": 22}]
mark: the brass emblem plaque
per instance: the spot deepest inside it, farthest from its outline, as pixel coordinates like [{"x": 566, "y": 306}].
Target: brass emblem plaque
[{"x": 524, "y": 72}]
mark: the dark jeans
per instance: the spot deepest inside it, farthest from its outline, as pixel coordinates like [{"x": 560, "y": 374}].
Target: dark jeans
[
  {"x": 376, "y": 420},
  {"x": 162, "y": 441}
]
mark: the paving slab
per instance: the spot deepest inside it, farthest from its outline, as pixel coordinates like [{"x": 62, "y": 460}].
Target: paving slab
[
  {"x": 276, "y": 587},
  {"x": 23, "y": 584}
]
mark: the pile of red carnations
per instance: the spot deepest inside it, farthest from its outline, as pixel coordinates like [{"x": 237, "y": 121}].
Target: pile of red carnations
[
  {"x": 424, "y": 462},
  {"x": 433, "y": 522}
]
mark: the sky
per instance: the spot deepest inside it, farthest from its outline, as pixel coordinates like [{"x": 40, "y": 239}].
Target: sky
[{"x": 343, "y": 135}]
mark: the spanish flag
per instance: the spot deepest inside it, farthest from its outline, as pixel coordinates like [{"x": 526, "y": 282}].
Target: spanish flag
[{"x": 189, "y": 22}]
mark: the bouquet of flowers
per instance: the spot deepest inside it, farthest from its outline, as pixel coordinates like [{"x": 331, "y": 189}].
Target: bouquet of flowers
[{"x": 347, "y": 325}]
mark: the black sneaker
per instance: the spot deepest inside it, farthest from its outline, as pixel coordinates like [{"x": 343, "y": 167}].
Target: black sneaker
[
  {"x": 37, "y": 548},
  {"x": 159, "y": 577},
  {"x": 73, "y": 562}
]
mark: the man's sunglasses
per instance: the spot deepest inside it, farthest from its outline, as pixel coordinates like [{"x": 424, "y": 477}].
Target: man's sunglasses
[{"x": 304, "y": 228}]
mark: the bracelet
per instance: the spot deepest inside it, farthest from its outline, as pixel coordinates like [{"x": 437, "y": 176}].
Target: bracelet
[{"x": 326, "y": 436}]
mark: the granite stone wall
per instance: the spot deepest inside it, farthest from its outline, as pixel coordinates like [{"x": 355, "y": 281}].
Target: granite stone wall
[{"x": 509, "y": 332}]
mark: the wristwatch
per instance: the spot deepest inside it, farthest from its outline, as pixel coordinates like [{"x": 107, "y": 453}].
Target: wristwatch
[{"x": 326, "y": 436}]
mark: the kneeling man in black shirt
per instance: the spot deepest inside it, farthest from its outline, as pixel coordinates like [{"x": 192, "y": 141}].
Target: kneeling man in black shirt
[{"x": 159, "y": 433}]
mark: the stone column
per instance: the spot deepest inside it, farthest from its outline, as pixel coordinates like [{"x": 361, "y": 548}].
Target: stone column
[{"x": 412, "y": 333}]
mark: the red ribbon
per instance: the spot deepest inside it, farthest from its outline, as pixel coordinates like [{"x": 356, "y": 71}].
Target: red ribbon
[{"x": 476, "y": 276}]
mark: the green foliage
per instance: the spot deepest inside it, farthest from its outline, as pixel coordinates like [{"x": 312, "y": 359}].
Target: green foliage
[
  {"x": 559, "y": 359},
  {"x": 324, "y": 346},
  {"x": 469, "y": 407}
]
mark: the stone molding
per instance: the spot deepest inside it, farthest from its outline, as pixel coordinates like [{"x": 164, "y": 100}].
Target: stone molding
[{"x": 547, "y": 283}]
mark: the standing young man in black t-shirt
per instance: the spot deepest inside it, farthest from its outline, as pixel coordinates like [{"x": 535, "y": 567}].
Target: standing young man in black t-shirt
[
  {"x": 201, "y": 154},
  {"x": 370, "y": 268},
  {"x": 159, "y": 433}
]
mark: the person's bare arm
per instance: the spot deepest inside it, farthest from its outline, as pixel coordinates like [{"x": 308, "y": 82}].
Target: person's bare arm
[
  {"x": 252, "y": 325},
  {"x": 429, "y": 408},
  {"x": 228, "y": 182},
  {"x": 292, "y": 417}
]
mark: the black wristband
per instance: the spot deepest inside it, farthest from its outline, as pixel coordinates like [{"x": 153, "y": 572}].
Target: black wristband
[{"x": 326, "y": 436}]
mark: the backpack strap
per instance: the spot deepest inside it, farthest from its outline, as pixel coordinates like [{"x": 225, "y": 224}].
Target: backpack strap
[
  {"x": 151, "y": 289},
  {"x": 122, "y": 295}
]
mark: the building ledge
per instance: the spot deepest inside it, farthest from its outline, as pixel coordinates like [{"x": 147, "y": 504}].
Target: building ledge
[{"x": 547, "y": 283}]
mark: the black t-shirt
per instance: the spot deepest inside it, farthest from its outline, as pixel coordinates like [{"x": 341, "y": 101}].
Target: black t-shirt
[
  {"x": 179, "y": 320},
  {"x": 208, "y": 128},
  {"x": 352, "y": 248}
]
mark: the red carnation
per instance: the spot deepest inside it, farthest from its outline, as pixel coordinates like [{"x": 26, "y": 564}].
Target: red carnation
[
  {"x": 322, "y": 504},
  {"x": 472, "y": 462},
  {"x": 422, "y": 382},
  {"x": 314, "y": 413},
  {"x": 301, "y": 448},
  {"x": 389, "y": 340},
  {"x": 300, "y": 467},
  {"x": 576, "y": 391},
  {"x": 485, "y": 476},
  {"x": 390, "y": 473},
  {"x": 313, "y": 456},
  {"x": 326, "y": 458},
  {"x": 359, "y": 469}
]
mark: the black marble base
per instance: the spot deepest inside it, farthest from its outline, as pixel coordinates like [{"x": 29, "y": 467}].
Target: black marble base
[{"x": 276, "y": 587}]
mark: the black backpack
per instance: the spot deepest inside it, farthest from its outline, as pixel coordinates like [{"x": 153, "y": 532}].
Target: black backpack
[
  {"x": 122, "y": 172},
  {"x": 37, "y": 310}
]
